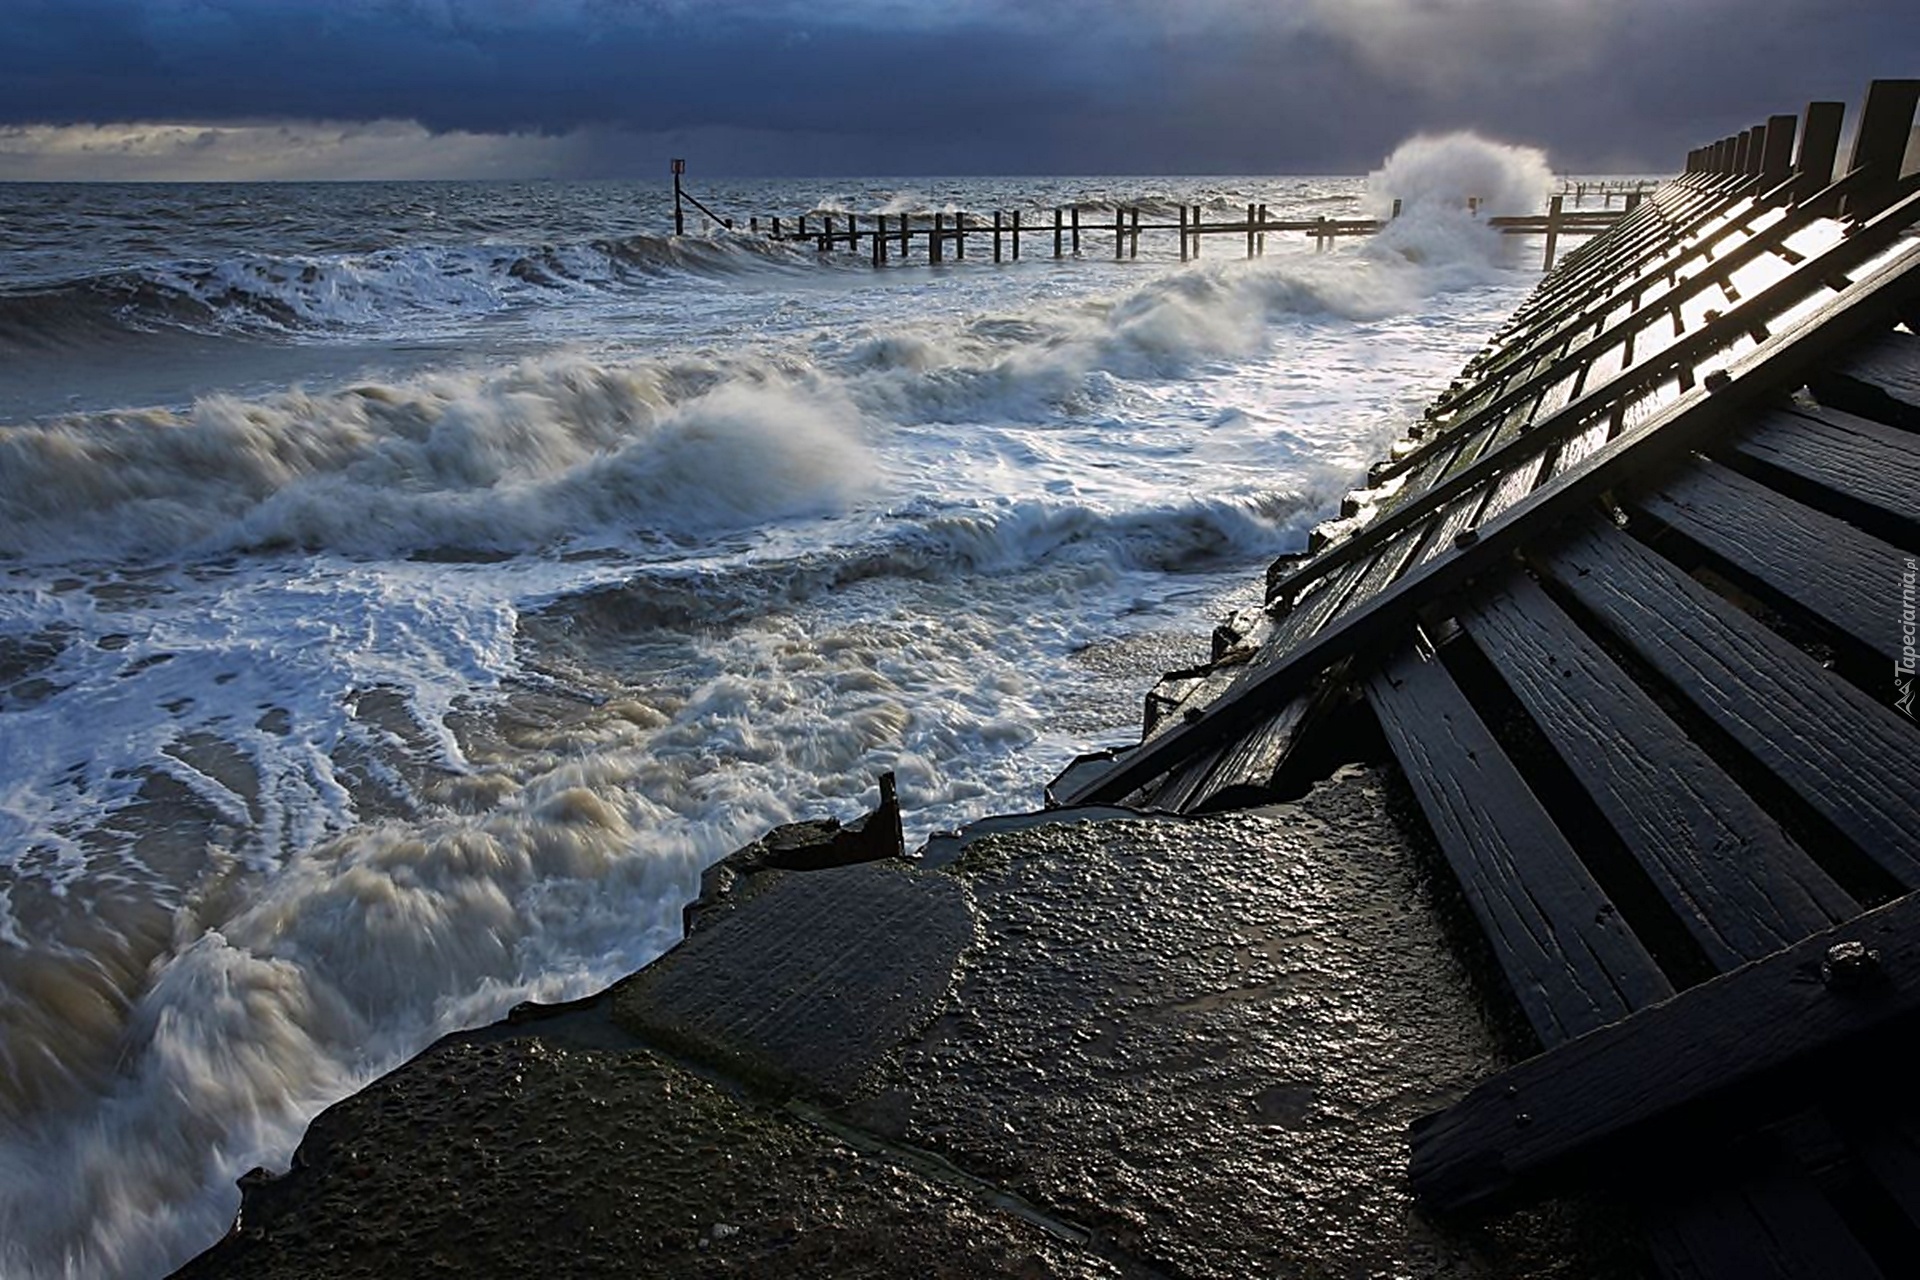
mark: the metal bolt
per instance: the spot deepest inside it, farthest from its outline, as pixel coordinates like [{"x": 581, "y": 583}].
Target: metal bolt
[
  {"x": 1466, "y": 537},
  {"x": 1719, "y": 380},
  {"x": 1849, "y": 966}
]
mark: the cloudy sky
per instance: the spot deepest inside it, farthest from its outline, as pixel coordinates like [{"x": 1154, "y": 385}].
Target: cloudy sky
[{"x": 611, "y": 88}]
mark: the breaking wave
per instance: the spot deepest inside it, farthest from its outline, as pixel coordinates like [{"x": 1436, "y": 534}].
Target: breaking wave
[{"x": 388, "y": 291}]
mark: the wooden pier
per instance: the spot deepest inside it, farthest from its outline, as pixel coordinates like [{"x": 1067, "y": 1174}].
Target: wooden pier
[
  {"x": 1080, "y": 230},
  {"x": 1624, "y": 609}
]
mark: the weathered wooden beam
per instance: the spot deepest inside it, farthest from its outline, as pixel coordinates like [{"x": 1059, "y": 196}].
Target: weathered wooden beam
[
  {"x": 1056, "y": 230},
  {"x": 1727, "y": 871},
  {"x": 1832, "y": 745},
  {"x": 1886, "y": 122},
  {"x": 1568, "y": 955},
  {"x": 1833, "y": 571},
  {"x": 1776, "y": 159},
  {"x": 1016, "y": 235},
  {"x": 1863, "y": 471},
  {"x": 1183, "y": 233},
  {"x": 1553, "y": 232},
  {"x": 1541, "y": 1120},
  {"x": 1819, "y": 148}
]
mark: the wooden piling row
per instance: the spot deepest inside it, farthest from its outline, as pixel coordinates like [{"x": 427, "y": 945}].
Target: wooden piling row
[{"x": 1762, "y": 151}]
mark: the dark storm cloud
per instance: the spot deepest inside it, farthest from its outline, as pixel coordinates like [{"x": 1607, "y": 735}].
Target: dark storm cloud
[{"x": 988, "y": 84}]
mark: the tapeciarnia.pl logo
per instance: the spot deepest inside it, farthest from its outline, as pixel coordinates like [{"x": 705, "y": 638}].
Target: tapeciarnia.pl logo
[{"x": 1903, "y": 671}]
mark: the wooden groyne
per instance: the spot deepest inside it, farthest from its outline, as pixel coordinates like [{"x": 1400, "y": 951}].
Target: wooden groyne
[
  {"x": 1623, "y": 609},
  {"x": 1079, "y": 230}
]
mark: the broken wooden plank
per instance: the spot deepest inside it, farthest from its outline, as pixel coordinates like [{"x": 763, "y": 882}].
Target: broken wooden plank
[
  {"x": 1865, "y": 472},
  {"x": 1840, "y": 574},
  {"x": 1569, "y": 957},
  {"x": 1540, "y": 1121},
  {"x": 1733, "y": 878},
  {"x": 1249, "y": 764},
  {"x": 1838, "y": 749}
]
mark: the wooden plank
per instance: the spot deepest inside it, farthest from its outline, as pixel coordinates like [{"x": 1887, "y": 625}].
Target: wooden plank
[
  {"x": 1741, "y": 1031},
  {"x": 1571, "y": 960},
  {"x": 1880, "y": 381},
  {"x": 1696, "y": 416},
  {"x": 1734, "y": 879},
  {"x": 1842, "y": 752},
  {"x": 1826, "y": 566},
  {"x": 1765, "y": 1221},
  {"x": 1868, "y": 474},
  {"x": 1250, "y": 762}
]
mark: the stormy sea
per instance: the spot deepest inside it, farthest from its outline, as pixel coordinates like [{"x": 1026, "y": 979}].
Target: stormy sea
[{"x": 406, "y": 589}]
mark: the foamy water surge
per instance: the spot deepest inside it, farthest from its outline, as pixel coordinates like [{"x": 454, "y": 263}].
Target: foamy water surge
[{"x": 340, "y": 717}]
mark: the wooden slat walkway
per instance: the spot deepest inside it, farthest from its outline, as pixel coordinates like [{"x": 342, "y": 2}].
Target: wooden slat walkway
[{"x": 1622, "y": 610}]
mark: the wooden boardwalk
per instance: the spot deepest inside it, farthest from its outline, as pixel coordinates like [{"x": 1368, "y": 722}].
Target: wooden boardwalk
[{"x": 1624, "y": 610}]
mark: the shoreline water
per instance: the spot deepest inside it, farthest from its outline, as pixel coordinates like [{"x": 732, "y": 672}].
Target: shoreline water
[{"x": 433, "y": 693}]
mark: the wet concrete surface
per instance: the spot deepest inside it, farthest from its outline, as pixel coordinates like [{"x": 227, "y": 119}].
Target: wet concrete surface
[{"x": 1126, "y": 1048}]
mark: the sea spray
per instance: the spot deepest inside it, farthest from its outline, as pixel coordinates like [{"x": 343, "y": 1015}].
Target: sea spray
[{"x": 1445, "y": 188}]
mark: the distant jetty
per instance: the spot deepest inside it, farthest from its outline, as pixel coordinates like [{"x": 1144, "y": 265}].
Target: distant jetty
[
  {"x": 1078, "y": 229},
  {"x": 1555, "y": 818}
]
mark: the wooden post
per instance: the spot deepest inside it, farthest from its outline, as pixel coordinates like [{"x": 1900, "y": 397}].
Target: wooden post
[
  {"x": 803, "y": 226},
  {"x": 1396, "y": 207},
  {"x": 1886, "y": 122},
  {"x": 1633, "y": 200},
  {"x": 879, "y": 239},
  {"x": 936, "y": 247},
  {"x": 679, "y": 215},
  {"x": 1756, "y": 148},
  {"x": 1076, "y": 230},
  {"x": 1119, "y": 233},
  {"x": 1183, "y": 233},
  {"x": 1776, "y": 160},
  {"x": 826, "y": 237},
  {"x": 1056, "y": 230},
  {"x": 1473, "y": 206},
  {"x": 776, "y": 228},
  {"x": 1819, "y": 145},
  {"x": 1553, "y": 231},
  {"x": 1133, "y": 247},
  {"x": 1249, "y": 231},
  {"x": 959, "y": 236},
  {"x": 906, "y": 235},
  {"x": 753, "y": 225},
  {"x": 1263, "y": 231},
  {"x": 996, "y": 235},
  {"x": 1320, "y": 234}
]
